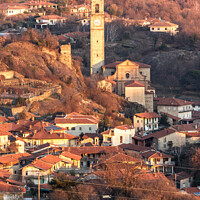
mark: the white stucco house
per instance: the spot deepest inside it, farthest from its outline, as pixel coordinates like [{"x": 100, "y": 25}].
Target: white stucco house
[
  {"x": 77, "y": 124},
  {"x": 118, "y": 135}
]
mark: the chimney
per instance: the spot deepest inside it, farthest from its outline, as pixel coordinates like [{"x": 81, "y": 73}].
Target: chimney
[
  {"x": 51, "y": 131},
  {"x": 35, "y": 131},
  {"x": 30, "y": 127}
]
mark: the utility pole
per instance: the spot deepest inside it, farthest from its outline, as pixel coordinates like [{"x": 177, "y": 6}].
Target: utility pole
[{"x": 38, "y": 185}]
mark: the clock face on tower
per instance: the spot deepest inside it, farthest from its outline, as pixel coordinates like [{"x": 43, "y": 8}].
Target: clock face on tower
[{"x": 97, "y": 22}]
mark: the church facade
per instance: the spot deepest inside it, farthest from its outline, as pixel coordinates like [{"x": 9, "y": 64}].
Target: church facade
[{"x": 132, "y": 81}]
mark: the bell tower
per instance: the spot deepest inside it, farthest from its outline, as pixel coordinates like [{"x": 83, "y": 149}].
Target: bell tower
[{"x": 96, "y": 36}]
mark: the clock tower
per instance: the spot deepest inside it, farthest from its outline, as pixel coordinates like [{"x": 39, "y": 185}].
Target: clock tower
[{"x": 96, "y": 36}]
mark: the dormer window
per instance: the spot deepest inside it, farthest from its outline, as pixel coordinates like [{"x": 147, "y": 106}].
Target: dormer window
[{"x": 97, "y": 8}]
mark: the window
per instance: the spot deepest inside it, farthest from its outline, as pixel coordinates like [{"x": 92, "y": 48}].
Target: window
[
  {"x": 26, "y": 173},
  {"x": 137, "y": 121},
  {"x": 97, "y": 55},
  {"x": 127, "y": 75},
  {"x": 150, "y": 120},
  {"x": 165, "y": 28},
  {"x": 164, "y": 139},
  {"x": 90, "y": 128},
  {"x": 97, "y": 41},
  {"x": 164, "y": 145},
  {"x": 121, "y": 139},
  {"x": 97, "y": 8},
  {"x": 80, "y": 128},
  {"x": 152, "y": 28},
  {"x": 73, "y": 128},
  {"x": 158, "y": 28}
]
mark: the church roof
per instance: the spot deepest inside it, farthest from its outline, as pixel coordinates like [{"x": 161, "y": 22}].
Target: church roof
[
  {"x": 114, "y": 64},
  {"x": 133, "y": 83}
]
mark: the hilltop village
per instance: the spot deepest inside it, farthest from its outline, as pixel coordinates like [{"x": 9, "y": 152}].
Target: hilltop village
[{"x": 99, "y": 131}]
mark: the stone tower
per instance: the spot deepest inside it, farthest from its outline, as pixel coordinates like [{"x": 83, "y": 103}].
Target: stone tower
[
  {"x": 66, "y": 56},
  {"x": 96, "y": 36}
]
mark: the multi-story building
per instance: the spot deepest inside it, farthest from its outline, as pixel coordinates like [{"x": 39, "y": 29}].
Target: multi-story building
[
  {"x": 118, "y": 135},
  {"x": 158, "y": 162},
  {"x": 146, "y": 122},
  {"x": 49, "y": 20},
  {"x": 77, "y": 124},
  {"x": 10, "y": 9},
  {"x": 164, "y": 27},
  {"x": 176, "y": 107}
]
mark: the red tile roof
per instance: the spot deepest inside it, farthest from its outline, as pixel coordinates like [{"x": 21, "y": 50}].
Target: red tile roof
[
  {"x": 4, "y": 173},
  {"x": 14, "y": 182},
  {"x": 153, "y": 154},
  {"x": 12, "y": 157},
  {"x": 105, "y": 132},
  {"x": 71, "y": 155},
  {"x": 51, "y": 159},
  {"x": 171, "y": 116},
  {"x": 163, "y": 23},
  {"x": 3, "y": 119},
  {"x": 5, "y": 187},
  {"x": 134, "y": 147},
  {"x": 4, "y": 132},
  {"x": 51, "y": 17},
  {"x": 159, "y": 134},
  {"x": 179, "y": 176},
  {"x": 93, "y": 150},
  {"x": 40, "y": 165},
  {"x": 148, "y": 115},
  {"x": 172, "y": 102},
  {"x": 187, "y": 127},
  {"x": 192, "y": 190},
  {"x": 124, "y": 127},
  {"x": 43, "y": 134},
  {"x": 133, "y": 83}
]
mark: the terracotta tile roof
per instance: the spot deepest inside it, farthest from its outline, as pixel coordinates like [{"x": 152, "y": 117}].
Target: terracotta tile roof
[
  {"x": 13, "y": 182},
  {"x": 172, "y": 102},
  {"x": 133, "y": 83},
  {"x": 71, "y": 155},
  {"x": 12, "y": 157},
  {"x": 187, "y": 127},
  {"x": 4, "y": 132},
  {"x": 73, "y": 121},
  {"x": 134, "y": 147},
  {"x": 179, "y": 176},
  {"x": 93, "y": 150},
  {"x": 171, "y": 116},
  {"x": 105, "y": 132},
  {"x": 192, "y": 134},
  {"x": 46, "y": 186},
  {"x": 4, "y": 187},
  {"x": 192, "y": 190},
  {"x": 4, "y": 174},
  {"x": 114, "y": 64},
  {"x": 3, "y": 119},
  {"x": 159, "y": 134},
  {"x": 51, "y": 17},
  {"x": 6, "y": 126},
  {"x": 154, "y": 154},
  {"x": 40, "y": 165},
  {"x": 163, "y": 23},
  {"x": 124, "y": 127},
  {"x": 148, "y": 115},
  {"x": 62, "y": 38},
  {"x": 51, "y": 159},
  {"x": 43, "y": 134}
]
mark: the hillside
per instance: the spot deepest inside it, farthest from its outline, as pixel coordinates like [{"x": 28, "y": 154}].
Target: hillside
[{"x": 79, "y": 93}]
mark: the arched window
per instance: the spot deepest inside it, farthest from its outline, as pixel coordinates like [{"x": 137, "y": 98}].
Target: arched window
[
  {"x": 127, "y": 75},
  {"x": 97, "y": 8}
]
